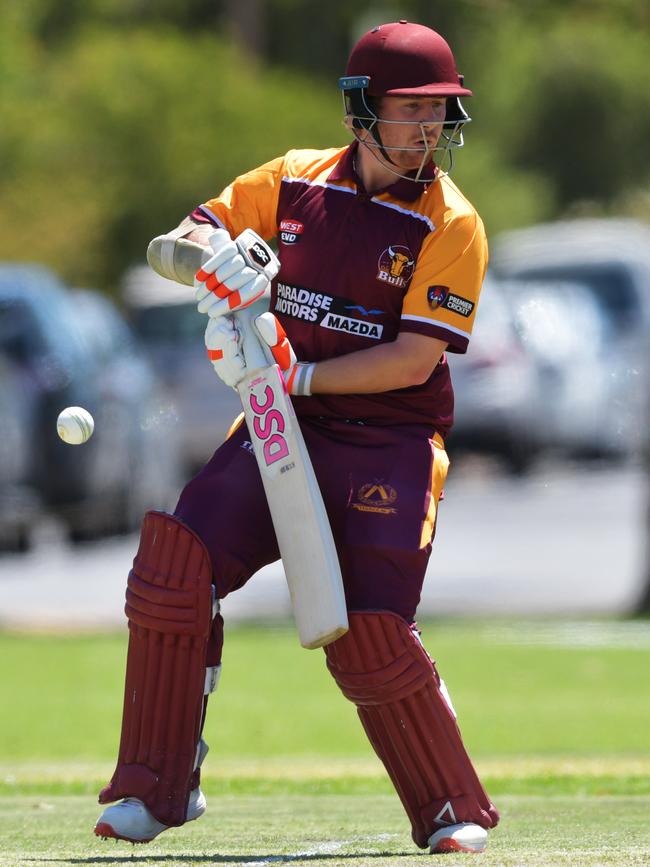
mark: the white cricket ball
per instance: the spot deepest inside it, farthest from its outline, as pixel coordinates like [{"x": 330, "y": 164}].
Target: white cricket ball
[{"x": 75, "y": 425}]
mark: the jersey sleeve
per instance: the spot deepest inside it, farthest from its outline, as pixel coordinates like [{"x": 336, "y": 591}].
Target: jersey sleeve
[
  {"x": 249, "y": 202},
  {"x": 443, "y": 295}
]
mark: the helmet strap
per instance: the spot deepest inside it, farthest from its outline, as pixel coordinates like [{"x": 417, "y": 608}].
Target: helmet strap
[{"x": 376, "y": 135}]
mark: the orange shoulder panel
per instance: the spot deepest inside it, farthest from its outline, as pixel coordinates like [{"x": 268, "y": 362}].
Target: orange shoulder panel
[
  {"x": 251, "y": 200},
  {"x": 449, "y": 273},
  {"x": 312, "y": 165}
]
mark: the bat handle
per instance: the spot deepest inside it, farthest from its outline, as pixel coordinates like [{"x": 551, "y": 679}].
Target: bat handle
[{"x": 257, "y": 354}]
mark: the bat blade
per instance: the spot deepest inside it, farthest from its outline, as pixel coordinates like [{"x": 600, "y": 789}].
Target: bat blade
[{"x": 299, "y": 517}]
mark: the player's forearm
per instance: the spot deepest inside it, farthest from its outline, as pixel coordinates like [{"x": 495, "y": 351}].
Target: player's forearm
[{"x": 407, "y": 361}]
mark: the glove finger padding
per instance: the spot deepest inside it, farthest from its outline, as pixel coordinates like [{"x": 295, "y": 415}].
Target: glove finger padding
[
  {"x": 221, "y": 301},
  {"x": 225, "y": 252},
  {"x": 224, "y": 248},
  {"x": 273, "y": 334},
  {"x": 222, "y": 341},
  {"x": 239, "y": 273},
  {"x": 234, "y": 270},
  {"x": 227, "y": 264},
  {"x": 297, "y": 374},
  {"x": 230, "y": 281}
]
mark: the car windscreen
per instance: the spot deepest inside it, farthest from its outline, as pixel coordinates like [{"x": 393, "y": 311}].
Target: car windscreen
[
  {"x": 20, "y": 334},
  {"x": 612, "y": 285},
  {"x": 105, "y": 332}
]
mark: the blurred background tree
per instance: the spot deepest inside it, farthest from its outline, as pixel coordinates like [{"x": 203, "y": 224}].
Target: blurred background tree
[{"x": 118, "y": 116}]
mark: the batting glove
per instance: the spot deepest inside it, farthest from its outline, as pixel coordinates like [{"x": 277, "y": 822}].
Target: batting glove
[
  {"x": 223, "y": 344},
  {"x": 297, "y": 374},
  {"x": 222, "y": 341},
  {"x": 236, "y": 275}
]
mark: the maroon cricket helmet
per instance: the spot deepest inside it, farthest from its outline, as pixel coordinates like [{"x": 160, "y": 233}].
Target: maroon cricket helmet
[{"x": 405, "y": 59}]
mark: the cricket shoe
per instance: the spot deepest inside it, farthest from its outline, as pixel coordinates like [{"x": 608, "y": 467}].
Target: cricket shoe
[
  {"x": 465, "y": 837},
  {"x": 131, "y": 821}
]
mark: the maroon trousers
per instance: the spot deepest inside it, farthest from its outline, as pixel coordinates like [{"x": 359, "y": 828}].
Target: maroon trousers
[{"x": 380, "y": 486}]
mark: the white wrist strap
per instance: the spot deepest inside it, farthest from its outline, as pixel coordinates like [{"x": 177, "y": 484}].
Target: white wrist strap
[{"x": 301, "y": 385}]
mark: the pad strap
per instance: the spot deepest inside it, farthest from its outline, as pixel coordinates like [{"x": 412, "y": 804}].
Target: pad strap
[
  {"x": 169, "y": 606},
  {"x": 381, "y": 666}
]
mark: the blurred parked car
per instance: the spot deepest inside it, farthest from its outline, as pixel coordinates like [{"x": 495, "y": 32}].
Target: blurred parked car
[
  {"x": 170, "y": 328},
  {"x": 133, "y": 417},
  {"x": 496, "y": 388},
  {"x": 612, "y": 259},
  {"x": 19, "y": 501},
  {"x": 569, "y": 336},
  {"x": 66, "y": 353}
]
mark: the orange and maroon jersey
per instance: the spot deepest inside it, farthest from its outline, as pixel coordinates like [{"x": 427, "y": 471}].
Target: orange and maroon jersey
[{"x": 357, "y": 269}]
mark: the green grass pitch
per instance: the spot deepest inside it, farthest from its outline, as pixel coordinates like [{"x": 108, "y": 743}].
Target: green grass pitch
[{"x": 559, "y": 729}]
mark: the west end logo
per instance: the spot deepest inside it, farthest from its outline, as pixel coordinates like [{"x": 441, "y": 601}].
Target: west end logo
[
  {"x": 290, "y": 231},
  {"x": 396, "y": 265}
]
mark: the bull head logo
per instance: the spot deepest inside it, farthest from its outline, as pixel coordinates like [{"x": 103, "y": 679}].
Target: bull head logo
[{"x": 399, "y": 261}]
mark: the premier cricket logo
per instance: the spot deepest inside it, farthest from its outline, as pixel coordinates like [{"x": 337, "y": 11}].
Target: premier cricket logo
[
  {"x": 440, "y": 296},
  {"x": 269, "y": 423},
  {"x": 436, "y": 296},
  {"x": 396, "y": 265},
  {"x": 377, "y": 497}
]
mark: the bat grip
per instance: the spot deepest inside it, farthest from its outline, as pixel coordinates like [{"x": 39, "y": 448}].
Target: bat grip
[{"x": 257, "y": 354}]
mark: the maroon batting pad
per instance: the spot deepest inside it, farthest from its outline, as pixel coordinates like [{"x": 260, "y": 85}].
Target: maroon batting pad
[
  {"x": 382, "y": 667},
  {"x": 169, "y": 606}
]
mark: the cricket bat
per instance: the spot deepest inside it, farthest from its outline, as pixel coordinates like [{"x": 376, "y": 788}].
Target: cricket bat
[{"x": 301, "y": 525}]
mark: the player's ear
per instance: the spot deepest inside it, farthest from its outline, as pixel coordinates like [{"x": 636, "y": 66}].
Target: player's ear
[{"x": 355, "y": 128}]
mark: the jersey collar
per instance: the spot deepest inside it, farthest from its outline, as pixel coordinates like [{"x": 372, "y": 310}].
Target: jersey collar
[{"x": 403, "y": 188}]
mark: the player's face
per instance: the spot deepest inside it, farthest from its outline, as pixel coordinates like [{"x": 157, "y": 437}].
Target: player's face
[{"x": 419, "y": 126}]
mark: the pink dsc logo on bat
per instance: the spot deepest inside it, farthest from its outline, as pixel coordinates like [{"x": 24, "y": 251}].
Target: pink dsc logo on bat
[{"x": 269, "y": 426}]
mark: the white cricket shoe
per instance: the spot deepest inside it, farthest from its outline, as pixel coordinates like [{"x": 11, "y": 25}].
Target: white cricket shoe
[
  {"x": 131, "y": 821},
  {"x": 465, "y": 837}
]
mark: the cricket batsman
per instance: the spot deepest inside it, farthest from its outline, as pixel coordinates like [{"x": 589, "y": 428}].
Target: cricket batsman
[{"x": 381, "y": 262}]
